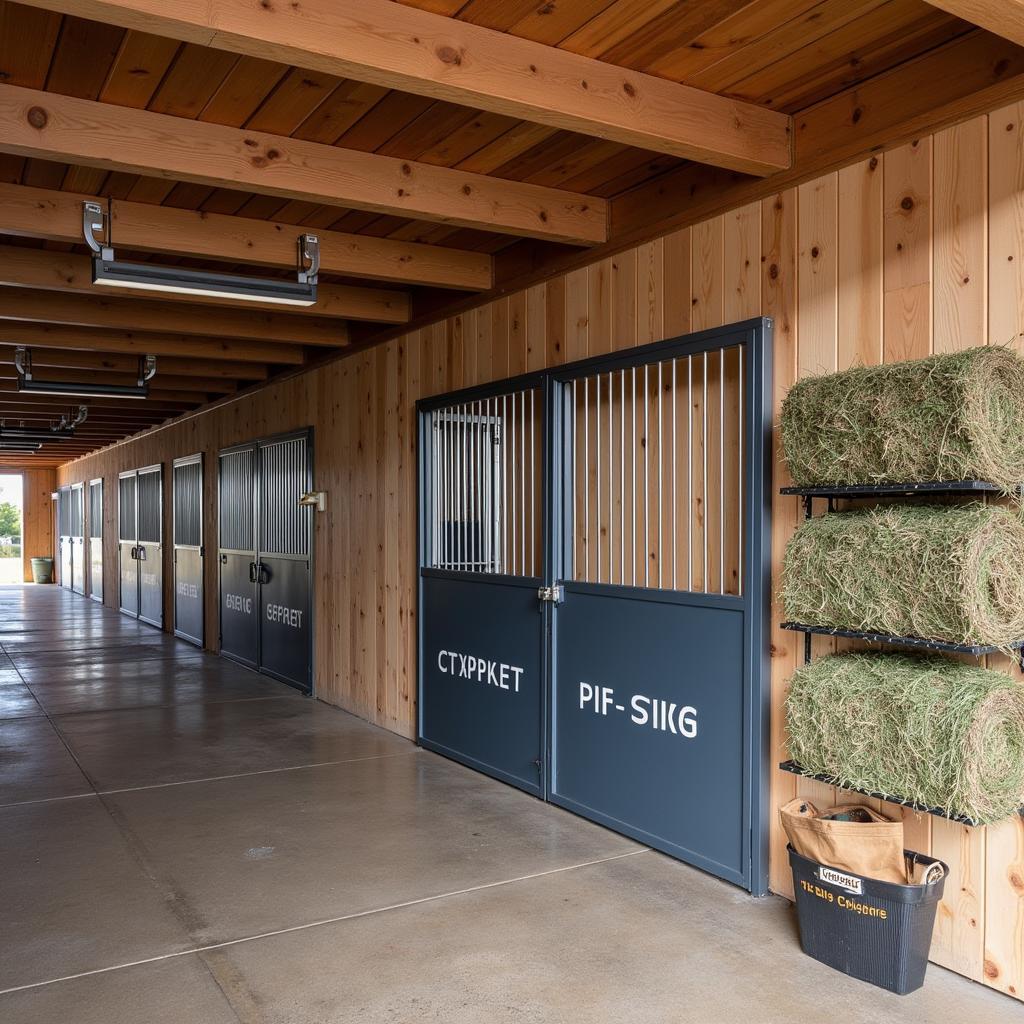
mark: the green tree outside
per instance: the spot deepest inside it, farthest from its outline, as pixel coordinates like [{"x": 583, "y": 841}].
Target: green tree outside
[{"x": 10, "y": 520}]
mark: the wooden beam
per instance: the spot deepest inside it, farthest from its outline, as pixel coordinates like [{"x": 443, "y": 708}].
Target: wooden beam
[
  {"x": 156, "y": 315},
  {"x": 141, "y": 343},
  {"x": 210, "y": 369},
  {"x": 69, "y": 272},
  {"x": 1003, "y": 17},
  {"x": 53, "y": 127},
  {"x": 400, "y": 47},
  {"x": 29, "y": 212}
]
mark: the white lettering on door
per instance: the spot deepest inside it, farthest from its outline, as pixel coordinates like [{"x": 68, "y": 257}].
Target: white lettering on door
[
  {"x": 286, "y": 616},
  {"x": 480, "y": 670},
  {"x": 238, "y": 603},
  {"x": 650, "y": 712}
]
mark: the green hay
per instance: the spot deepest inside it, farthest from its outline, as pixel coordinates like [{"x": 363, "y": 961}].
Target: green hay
[
  {"x": 934, "y": 731},
  {"x": 948, "y": 417},
  {"x": 946, "y": 573}
]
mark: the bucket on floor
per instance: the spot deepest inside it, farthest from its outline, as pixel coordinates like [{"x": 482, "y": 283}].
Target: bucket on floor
[
  {"x": 879, "y": 932},
  {"x": 42, "y": 570}
]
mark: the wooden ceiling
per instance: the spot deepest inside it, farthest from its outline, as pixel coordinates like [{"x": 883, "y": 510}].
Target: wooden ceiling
[{"x": 217, "y": 156}]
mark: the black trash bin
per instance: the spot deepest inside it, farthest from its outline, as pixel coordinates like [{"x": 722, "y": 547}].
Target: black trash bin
[{"x": 878, "y": 932}]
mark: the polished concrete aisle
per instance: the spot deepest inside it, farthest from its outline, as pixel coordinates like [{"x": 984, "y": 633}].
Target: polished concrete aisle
[{"x": 182, "y": 840}]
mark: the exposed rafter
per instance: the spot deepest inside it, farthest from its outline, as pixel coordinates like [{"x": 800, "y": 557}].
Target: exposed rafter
[
  {"x": 53, "y": 127},
  {"x": 57, "y": 216},
  {"x": 400, "y": 47},
  {"x": 1003, "y": 17}
]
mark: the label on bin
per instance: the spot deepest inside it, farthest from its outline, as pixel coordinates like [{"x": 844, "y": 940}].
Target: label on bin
[{"x": 851, "y": 883}]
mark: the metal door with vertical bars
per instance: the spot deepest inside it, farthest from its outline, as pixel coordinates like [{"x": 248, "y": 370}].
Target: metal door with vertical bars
[
  {"x": 642, "y": 622},
  {"x": 64, "y": 562},
  {"x": 127, "y": 543},
  {"x": 95, "y": 528},
  {"x": 140, "y": 506},
  {"x": 187, "y": 540},
  {"x": 265, "y": 556},
  {"x": 77, "y": 538}
]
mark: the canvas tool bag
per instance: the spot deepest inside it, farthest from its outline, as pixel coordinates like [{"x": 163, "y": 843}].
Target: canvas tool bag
[{"x": 853, "y": 838}]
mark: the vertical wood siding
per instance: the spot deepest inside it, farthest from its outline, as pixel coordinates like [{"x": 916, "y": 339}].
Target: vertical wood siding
[{"x": 914, "y": 251}]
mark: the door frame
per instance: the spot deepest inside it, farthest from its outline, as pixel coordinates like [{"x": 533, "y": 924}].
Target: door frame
[
  {"x": 556, "y": 540},
  {"x": 90, "y": 539},
  {"x": 78, "y": 587},
  {"x": 156, "y": 467}
]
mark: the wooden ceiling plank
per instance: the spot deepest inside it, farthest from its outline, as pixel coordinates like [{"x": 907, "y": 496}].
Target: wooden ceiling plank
[
  {"x": 1003, "y": 17},
  {"x": 68, "y": 272},
  {"x": 614, "y": 25},
  {"x": 138, "y": 69},
  {"x": 380, "y": 42},
  {"x": 57, "y": 216},
  {"x": 27, "y": 40},
  {"x": 92, "y": 310},
  {"x": 158, "y": 343},
  {"x": 97, "y": 134},
  {"x": 550, "y": 23},
  {"x": 244, "y": 88}
]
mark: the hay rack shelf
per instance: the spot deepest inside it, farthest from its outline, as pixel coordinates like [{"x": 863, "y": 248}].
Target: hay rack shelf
[
  {"x": 889, "y": 489},
  {"x": 829, "y": 780}
]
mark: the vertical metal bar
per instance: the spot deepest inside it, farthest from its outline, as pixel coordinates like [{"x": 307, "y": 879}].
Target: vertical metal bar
[
  {"x": 522, "y": 481},
  {"x": 471, "y": 490},
  {"x": 438, "y": 470},
  {"x": 512, "y": 474},
  {"x": 622, "y": 477},
  {"x": 632, "y": 507},
  {"x": 461, "y": 551},
  {"x": 674, "y": 527},
  {"x": 504, "y": 484},
  {"x": 575, "y": 478},
  {"x": 704, "y": 475},
  {"x": 739, "y": 474},
  {"x": 586, "y": 479},
  {"x": 597, "y": 476},
  {"x": 721, "y": 470},
  {"x": 611, "y": 483},
  {"x": 689, "y": 473},
  {"x": 661, "y": 467},
  {"x": 533, "y": 478},
  {"x": 647, "y": 484}
]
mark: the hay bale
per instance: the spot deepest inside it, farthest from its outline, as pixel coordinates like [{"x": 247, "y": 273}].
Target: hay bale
[
  {"x": 947, "y": 417},
  {"x": 928, "y": 729},
  {"x": 946, "y": 573}
]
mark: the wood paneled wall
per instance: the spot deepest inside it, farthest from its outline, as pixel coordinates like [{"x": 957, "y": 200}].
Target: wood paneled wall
[
  {"x": 38, "y": 517},
  {"x": 914, "y": 251}
]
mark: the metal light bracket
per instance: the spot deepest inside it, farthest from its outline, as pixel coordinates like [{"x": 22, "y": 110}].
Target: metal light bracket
[{"x": 94, "y": 220}]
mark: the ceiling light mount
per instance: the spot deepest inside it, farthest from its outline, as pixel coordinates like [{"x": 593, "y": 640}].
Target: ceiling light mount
[
  {"x": 27, "y": 381},
  {"x": 110, "y": 272}
]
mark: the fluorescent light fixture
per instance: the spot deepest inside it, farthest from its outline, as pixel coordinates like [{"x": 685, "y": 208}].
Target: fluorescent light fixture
[
  {"x": 109, "y": 272},
  {"x": 15, "y": 434},
  {"x": 27, "y": 382},
  {"x": 28, "y": 447}
]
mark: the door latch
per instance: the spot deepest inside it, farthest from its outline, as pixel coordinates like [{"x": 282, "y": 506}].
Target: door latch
[{"x": 554, "y": 595}]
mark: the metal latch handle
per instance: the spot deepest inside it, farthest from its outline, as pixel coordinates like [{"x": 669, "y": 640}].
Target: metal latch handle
[{"x": 553, "y": 595}]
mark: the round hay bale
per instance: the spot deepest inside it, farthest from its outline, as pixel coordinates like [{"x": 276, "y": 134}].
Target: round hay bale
[
  {"x": 948, "y": 417},
  {"x": 928, "y": 729},
  {"x": 946, "y": 573}
]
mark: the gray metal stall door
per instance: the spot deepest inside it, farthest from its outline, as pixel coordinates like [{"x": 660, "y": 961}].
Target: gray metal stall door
[
  {"x": 127, "y": 546},
  {"x": 77, "y": 539},
  {"x": 661, "y": 523},
  {"x": 95, "y": 556},
  {"x": 64, "y": 536},
  {"x": 149, "y": 490},
  {"x": 283, "y": 561},
  {"x": 236, "y": 554},
  {"x": 187, "y": 485},
  {"x": 481, "y": 697}
]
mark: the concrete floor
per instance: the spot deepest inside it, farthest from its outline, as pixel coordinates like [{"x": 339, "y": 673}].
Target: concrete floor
[{"x": 182, "y": 840}]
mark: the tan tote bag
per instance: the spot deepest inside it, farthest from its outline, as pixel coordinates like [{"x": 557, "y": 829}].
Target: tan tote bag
[{"x": 853, "y": 838}]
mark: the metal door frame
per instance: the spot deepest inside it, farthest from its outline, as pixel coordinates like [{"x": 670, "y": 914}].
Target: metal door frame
[
  {"x": 189, "y": 460},
  {"x": 756, "y": 336},
  {"x": 156, "y": 467},
  {"x": 255, "y": 446},
  {"x": 90, "y": 539}
]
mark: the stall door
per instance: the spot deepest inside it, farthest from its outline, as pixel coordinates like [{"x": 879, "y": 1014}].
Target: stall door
[
  {"x": 236, "y": 555},
  {"x": 127, "y": 543},
  {"x": 283, "y": 575},
  {"x": 482, "y": 695},
  {"x": 187, "y": 480},
  {"x": 593, "y": 590},
  {"x": 149, "y": 491},
  {"x": 265, "y": 556},
  {"x": 64, "y": 537},
  {"x": 77, "y": 538},
  {"x": 95, "y": 554}
]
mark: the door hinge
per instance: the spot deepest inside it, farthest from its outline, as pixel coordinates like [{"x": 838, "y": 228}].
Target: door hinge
[{"x": 554, "y": 595}]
